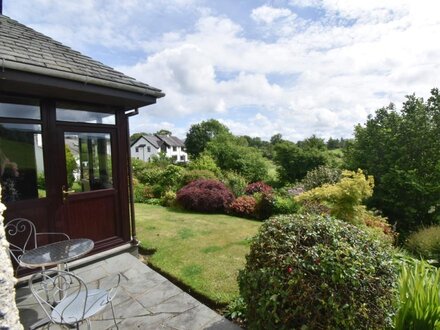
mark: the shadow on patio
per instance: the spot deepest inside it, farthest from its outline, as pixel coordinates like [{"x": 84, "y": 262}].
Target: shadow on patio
[{"x": 145, "y": 300}]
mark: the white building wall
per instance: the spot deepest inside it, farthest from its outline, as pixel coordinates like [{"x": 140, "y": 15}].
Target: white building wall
[
  {"x": 142, "y": 153},
  {"x": 178, "y": 153}
]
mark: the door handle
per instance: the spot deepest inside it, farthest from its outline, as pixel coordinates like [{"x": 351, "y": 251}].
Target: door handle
[{"x": 66, "y": 193}]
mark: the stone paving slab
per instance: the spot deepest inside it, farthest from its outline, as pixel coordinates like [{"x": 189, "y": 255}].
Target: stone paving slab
[{"x": 145, "y": 300}]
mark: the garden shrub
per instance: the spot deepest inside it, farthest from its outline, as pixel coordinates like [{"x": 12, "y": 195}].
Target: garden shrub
[
  {"x": 193, "y": 175},
  {"x": 425, "y": 243},
  {"x": 319, "y": 176},
  {"x": 236, "y": 182},
  {"x": 264, "y": 207},
  {"x": 258, "y": 187},
  {"x": 313, "y": 272},
  {"x": 153, "y": 201},
  {"x": 141, "y": 192},
  {"x": 205, "y": 196},
  {"x": 146, "y": 173},
  {"x": 171, "y": 178},
  {"x": 419, "y": 297},
  {"x": 205, "y": 163},
  {"x": 168, "y": 199},
  {"x": 284, "y": 205},
  {"x": 345, "y": 197},
  {"x": 244, "y": 206}
]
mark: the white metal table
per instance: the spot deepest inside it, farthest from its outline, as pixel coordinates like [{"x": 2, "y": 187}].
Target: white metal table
[{"x": 57, "y": 253}]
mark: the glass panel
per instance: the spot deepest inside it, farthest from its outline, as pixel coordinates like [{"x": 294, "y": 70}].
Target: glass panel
[
  {"x": 19, "y": 108},
  {"x": 90, "y": 117},
  {"x": 21, "y": 162},
  {"x": 88, "y": 161}
]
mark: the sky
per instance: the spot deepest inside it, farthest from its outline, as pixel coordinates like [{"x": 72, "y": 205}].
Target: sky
[{"x": 294, "y": 67}]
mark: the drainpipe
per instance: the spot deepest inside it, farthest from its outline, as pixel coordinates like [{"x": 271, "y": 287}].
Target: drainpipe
[{"x": 134, "y": 239}]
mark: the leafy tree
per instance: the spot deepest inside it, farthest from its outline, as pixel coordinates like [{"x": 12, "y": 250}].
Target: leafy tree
[
  {"x": 231, "y": 154},
  {"x": 312, "y": 142},
  {"x": 402, "y": 151},
  {"x": 336, "y": 143},
  {"x": 164, "y": 132},
  {"x": 277, "y": 138},
  {"x": 135, "y": 136},
  {"x": 204, "y": 162},
  {"x": 200, "y": 134},
  {"x": 295, "y": 162}
]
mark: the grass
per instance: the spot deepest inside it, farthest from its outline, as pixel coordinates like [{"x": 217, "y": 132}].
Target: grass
[{"x": 203, "y": 251}]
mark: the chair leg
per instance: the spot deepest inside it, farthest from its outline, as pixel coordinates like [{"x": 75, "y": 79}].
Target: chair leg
[{"x": 113, "y": 312}]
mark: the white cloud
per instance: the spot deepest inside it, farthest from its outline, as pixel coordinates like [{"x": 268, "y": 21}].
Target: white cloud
[
  {"x": 266, "y": 14},
  {"x": 318, "y": 74}
]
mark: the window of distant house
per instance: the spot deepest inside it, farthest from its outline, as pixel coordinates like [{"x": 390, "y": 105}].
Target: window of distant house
[
  {"x": 21, "y": 150},
  {"x": 174, "y": 148},
  {"x": 149, "y": 149},
  {"x": 182, "y": 158}
]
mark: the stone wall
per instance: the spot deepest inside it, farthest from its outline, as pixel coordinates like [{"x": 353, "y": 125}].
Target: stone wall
[{"x": 9, "y": 318}]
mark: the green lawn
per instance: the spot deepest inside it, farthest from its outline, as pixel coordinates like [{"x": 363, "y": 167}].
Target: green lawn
[{"x": 203, "y": 251}]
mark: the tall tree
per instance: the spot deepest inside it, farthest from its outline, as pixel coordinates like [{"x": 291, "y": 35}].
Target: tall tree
[
  {"x": 312, "y": 142},
  {"x": 295, "y": 162},
  {"x": 164, "y": 132},
  {"x": 200, "y": 134},
  {"x": 402, "y": 151},
  {"x": 231, "y": 154}
]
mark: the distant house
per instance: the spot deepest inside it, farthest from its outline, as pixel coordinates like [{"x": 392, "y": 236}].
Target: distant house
[{"x": 147, "y": 146}]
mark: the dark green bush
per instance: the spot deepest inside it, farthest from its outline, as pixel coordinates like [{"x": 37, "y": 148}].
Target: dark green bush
[
  {"x": 311, "y": 272},
  {"x": 425, "y": 243}
]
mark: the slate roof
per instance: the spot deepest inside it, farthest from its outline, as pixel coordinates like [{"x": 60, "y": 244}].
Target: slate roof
[
  {"x": 24, "y": 49},
  {"x": 172, "y": 141},
  {"x": 158, "y": 140}
]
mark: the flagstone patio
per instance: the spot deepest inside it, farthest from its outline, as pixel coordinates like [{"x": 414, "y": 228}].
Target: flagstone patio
[{"x": 145, "y": 300}]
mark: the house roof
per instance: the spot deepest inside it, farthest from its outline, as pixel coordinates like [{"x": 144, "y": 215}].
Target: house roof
[
  {"x": 172, "y": 141},
  {"x": 26, "y": 50},
  {"x": 157, "y": 140}
]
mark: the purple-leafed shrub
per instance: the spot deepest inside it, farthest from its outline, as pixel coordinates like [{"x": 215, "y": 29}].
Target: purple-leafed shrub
[
  {"x": 244, "y": 206},
  {"x": 205, "y": 196},
  {"x": 258, "y": 187}
]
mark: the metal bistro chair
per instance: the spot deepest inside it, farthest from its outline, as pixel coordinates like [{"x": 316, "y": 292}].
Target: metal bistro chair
[
  {"x": 66, "y": 299},
  {"x": 24, "y": 230}
]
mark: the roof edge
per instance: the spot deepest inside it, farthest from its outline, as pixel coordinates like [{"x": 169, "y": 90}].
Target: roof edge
[{"x": 151, "y": 91}]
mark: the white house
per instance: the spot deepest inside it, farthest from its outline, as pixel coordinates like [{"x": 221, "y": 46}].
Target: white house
[{"x": 147, "y": 146}]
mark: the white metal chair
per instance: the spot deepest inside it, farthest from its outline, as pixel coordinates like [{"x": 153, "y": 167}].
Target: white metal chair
[
  {"x": 23, "y": 230},
  {"x": 66, "y": 299}
]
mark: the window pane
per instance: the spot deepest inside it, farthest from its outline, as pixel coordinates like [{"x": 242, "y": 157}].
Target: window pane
[
  {"x": 90, "y": 117},
  {"x": 21, "y": 160},
  {"x": 88, "y": 161},
  {"x": 19, "y": 108}
]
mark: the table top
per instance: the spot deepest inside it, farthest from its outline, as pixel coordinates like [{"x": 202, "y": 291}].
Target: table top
[{"x": 56, "y": 253}]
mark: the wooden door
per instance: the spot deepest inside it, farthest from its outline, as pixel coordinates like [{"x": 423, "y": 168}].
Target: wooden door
[{"x": 88, "y": 182}]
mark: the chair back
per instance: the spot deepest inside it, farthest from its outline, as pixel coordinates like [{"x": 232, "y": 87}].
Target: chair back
[
  {"x": 21, "y": 235},
  {"x": 62, "y": 295}
]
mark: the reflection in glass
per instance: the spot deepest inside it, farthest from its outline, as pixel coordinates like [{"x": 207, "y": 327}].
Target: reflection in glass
[
  {"x": 90, "y": 117},
  {"x": 88, "y": 161},
  {"x": 21, "y": 162},
  {"x": 10, "y": 109}
]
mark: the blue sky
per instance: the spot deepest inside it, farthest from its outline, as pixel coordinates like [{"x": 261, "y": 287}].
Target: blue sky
[{"x": 295, "y": 67}]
